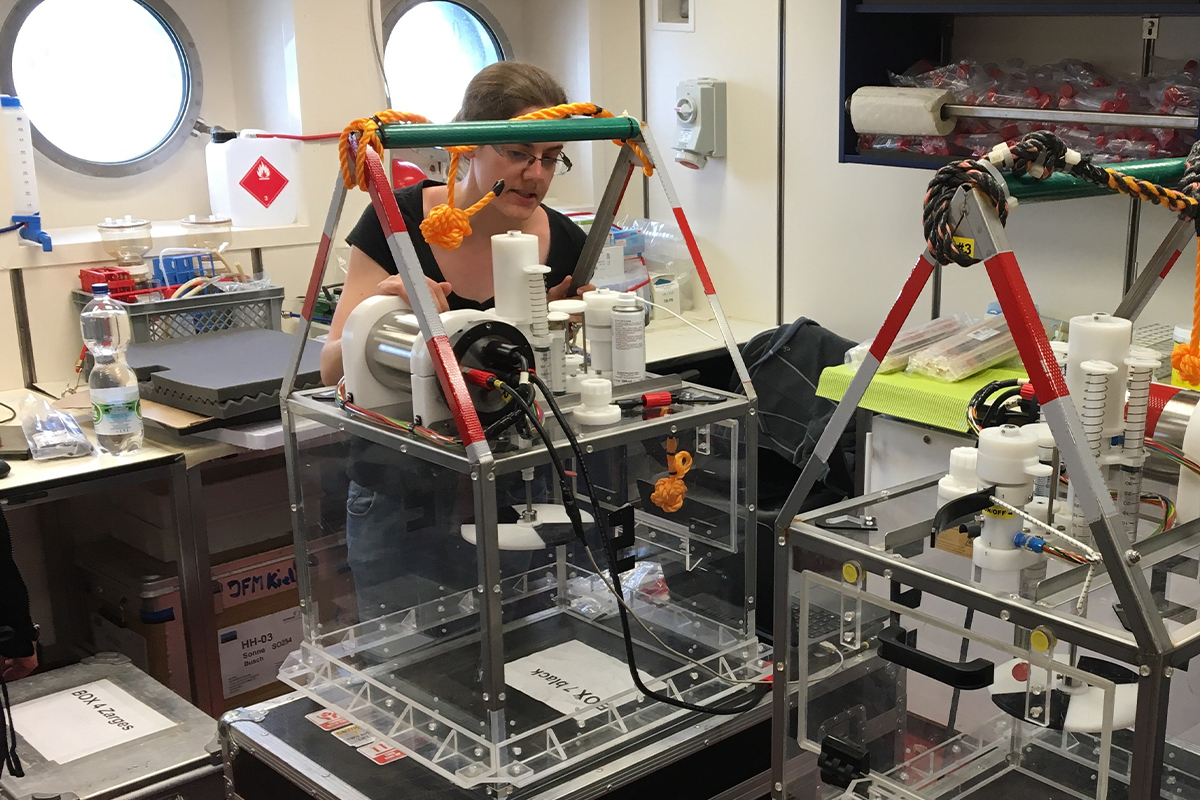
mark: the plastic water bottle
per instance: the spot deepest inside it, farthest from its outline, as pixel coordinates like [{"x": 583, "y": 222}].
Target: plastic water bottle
[{"x": 116, "y": 406}]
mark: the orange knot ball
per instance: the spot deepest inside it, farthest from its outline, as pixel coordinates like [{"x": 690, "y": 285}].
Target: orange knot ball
[
  {"x": 446, "y": 227},
  {"x": 670, "y": 491},
  {"x": 1186, "y": 361}
]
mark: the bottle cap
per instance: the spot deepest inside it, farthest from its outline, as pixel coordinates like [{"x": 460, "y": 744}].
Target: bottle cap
[
  {"x": 628, "y": 301},
  {"x": 99, "y": 289}
]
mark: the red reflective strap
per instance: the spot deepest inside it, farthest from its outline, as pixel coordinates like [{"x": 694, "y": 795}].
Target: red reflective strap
[
  {"x": 314, "y": 282},
  {"x": 694, "y": 249},
  {"x": 1026, "y": 327},
  {"x": 902, "y": 307},
  {"x": 454, "y": 387},
  {"x": 1170, "y": 263},
  {"x": 384, "y": 201},
  {"x": 656, "y": 399},
  {"x": 1160, "y": 395}
]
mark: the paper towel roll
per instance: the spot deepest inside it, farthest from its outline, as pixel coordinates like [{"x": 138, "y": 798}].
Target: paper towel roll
[{"x": 901, "y": 111}]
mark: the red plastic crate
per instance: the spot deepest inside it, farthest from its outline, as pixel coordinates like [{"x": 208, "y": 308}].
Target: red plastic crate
[{"x": 118, "y": 280}]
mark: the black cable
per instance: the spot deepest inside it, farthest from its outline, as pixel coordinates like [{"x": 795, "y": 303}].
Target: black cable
[
  {"x": 610, "y": 553},
  {"x": 962, "y": 657},
  {"x": 939, "y": 226},
  {"x": 8, "y": 735},
  {"x": 995, "y": 412},
  {"x": 12, "y": 413}
]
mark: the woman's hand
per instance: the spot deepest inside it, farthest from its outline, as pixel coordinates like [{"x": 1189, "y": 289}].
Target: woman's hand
[
  {"x": 394, "y": 284},
  {"x": 563, "y": 290},
  {"x": 16, "y": 668}
]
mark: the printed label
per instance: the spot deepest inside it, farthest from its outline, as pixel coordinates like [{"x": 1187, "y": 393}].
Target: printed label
[
  {"x": 327, "y": 720},
  {"x": 380, "y": 753},
  {"x": 571, "y": 676},
  {"x": 354, "y": 736},
  {"x": 983, "y": 334},
  {"x": 78, "y": 722},
  {"x": 252, "y": 651},
  {"x": 263, "y": 182},
  {"x": 965, "y": 246},
  {"x": 999, "y": 513},
  {"x": 116, "y": 411}
]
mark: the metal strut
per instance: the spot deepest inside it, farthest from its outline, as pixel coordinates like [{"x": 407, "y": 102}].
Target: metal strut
[{"x": 980, "y": 222}]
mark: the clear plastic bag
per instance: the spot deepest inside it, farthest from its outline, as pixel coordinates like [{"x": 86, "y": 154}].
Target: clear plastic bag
[
  {"x": 909, "y": 341},
  {"x": 962, "y": 355},
  {"x": 589, "y": 594},
  {"x": 51, "y": 433}
]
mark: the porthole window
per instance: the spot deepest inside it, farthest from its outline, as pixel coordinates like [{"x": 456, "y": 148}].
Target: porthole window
[
  {"x": 111, "y": 87},
  {"x": 432, "y": 49}
]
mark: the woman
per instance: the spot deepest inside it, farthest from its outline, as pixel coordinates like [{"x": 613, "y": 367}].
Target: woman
[{"x": 403, "y": 515}]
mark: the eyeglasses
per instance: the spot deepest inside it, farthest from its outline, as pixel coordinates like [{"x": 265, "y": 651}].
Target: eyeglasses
[{"x": 557, "y": 165}]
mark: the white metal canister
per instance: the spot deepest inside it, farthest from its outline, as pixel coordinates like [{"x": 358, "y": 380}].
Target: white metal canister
[{"x": 628, "y": 340}]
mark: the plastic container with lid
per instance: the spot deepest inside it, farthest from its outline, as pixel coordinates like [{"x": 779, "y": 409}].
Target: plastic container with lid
[
  {"x": 207, "y": 233},
  {"x": 255, "y": 182},
  {"x": 127, "y": 240}
]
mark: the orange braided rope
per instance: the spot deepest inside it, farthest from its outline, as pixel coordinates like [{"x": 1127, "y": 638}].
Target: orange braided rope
[
  {"x": 1185, "y": 358},
  {"x": 669, "y": 491},
  {"x": 367, "y": 129}
]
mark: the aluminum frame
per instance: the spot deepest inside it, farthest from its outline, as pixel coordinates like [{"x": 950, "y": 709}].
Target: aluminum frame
[
  {"x": 475, "y": 457},
  {"x": 1150, "y": 648}
]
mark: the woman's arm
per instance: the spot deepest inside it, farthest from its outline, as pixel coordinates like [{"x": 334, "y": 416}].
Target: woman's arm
[{"x": 364, "y": 278}]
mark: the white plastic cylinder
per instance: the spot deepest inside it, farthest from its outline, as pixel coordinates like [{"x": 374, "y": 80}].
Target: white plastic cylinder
[
  {"x": 1043, "y": 486},
  {"x": 960, "y": 480},
  {"x": 597, "y": 407},
  {"x": 1007, "y": 459},
  {"x": 557, "y": 322},
  {"x": 629, "y": 340},
  {"x": 598, "y": 319},
  {"x": 18, "y": 141},
  {"x": 535, "y": 288},
  {"x": 1187, "y": 502},
  {"x": 512, "y": 252},
  {"x": 1097, "y": 382},
  {"x": 573, "y": 366},
  {"x": 255, "y": 182},
  {"x": 1099, "y": 337}
]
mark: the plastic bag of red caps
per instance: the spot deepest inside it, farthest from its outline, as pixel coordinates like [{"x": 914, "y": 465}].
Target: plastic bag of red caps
[{"x": 1069, "y": 84}]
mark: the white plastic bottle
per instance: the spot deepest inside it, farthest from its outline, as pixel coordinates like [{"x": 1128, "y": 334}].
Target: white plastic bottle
[
  {"x": 116, "y": 406},
  {"x": 628, "y": 340},
  {"x": 19, "y": 143}
]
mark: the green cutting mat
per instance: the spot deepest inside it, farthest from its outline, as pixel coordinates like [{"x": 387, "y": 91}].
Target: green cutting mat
[{"x": 915, "y": 397}]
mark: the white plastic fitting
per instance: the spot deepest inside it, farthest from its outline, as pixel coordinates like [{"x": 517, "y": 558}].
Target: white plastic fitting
[
  {"x": 1008, "y": 460},
  {"x": 960, "y": 480},
  {"x": 597, "y": 407}
]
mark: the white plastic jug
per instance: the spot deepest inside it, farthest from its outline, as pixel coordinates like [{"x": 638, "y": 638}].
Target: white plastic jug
[{"x": 255, "y": 182}]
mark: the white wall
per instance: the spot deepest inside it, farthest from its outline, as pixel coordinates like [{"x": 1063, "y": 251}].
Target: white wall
[
  {"x": 731, "y": 203},
  {"x": 306, "y": 66},
  {"x": 853, "y": 232}
]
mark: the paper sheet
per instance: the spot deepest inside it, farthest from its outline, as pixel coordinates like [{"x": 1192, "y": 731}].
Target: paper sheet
[
  {"x": 68, "y": 725},
  {"x": 571, "y": 676}
]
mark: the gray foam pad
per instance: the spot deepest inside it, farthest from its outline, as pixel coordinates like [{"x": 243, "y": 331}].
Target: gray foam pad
[{"x": 224, "y": 374}]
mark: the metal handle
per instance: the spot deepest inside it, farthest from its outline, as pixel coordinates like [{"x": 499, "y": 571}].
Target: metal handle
[
  {"x": 977, "y": 674},
  {"x": 508, "y": 132},
  {"x": 1061, "y": 186}
]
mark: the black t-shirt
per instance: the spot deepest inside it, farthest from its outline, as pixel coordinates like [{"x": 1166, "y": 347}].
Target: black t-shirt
[
  {"x": 566, "y": 242},
  {"x": 376, "y": 466}
]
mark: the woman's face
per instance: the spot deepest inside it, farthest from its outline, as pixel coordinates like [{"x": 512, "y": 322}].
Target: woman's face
[{"x": 526, "y": 170}]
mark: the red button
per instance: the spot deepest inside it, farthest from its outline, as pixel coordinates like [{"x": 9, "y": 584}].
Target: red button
[{"x": 1020, "y": 671}]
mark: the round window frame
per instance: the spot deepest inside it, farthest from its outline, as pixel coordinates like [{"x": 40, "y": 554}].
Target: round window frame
[
  {"x": 185, "y": 122},
  {"x": 395, "y": 9}
]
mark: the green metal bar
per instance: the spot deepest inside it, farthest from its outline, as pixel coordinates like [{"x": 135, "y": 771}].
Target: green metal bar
[
  {"x": 1060, "y": 186},
  {"x": 509, "y": 132}
]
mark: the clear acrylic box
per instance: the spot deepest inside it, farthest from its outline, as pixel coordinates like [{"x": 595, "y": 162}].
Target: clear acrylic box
[{"x": 511, "y": 682}]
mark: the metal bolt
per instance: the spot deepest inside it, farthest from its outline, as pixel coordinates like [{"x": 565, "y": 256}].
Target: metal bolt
[
  {"x": 1133, "y": 556},
  {"x": 779, "y": 666},
  {"x": 491, "y": 476},
  {"x": 1004, "y": 615},
  {"x": 1144, "y": 670},
  {"x": 674, "y": 429},
  {"x": 1168, "y": 672},
  {"x": 502, "y": 698},
  {"x": 588, "y": 449},
  {"x": 887, "y": 573},
  {"x": 750, "y": 507},
  {"x": 496, "y": 589},
  {"x": 782, "y": 541},
  {"x": 778, "y": 786},
  {"x": 293, "y": 506}
]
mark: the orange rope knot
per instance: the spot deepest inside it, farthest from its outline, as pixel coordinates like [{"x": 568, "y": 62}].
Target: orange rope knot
[
  {"x": 447, "y": 226},
  {"x": 355, "y": 173},
  {"x": 1185, "y": 358},
  {"x": 670, "y": 491}
]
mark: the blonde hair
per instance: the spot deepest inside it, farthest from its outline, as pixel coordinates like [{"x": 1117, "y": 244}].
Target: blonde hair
[{"x": 505, "y": 89}]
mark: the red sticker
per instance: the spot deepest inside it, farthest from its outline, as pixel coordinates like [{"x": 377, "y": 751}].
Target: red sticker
[
  {"x": 380, "y": 753},
  {"x": 327, "y": 720},
  {"x": 263, "y": 182}
]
